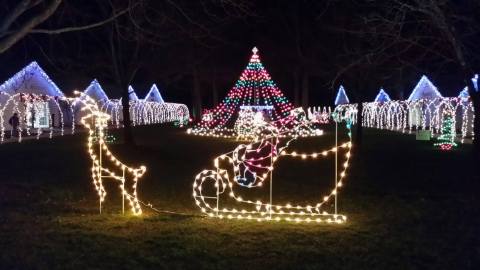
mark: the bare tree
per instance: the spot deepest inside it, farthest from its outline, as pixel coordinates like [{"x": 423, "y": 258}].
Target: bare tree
[{"x": 23, "y": 18}]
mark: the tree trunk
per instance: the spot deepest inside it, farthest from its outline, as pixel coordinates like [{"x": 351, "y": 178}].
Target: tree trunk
[
  {"x": 214, "y": 89},
  {"x": 296, "y": 87},
  {"x": 197, "y": 97},
  {"x": 305, "y": 90},
  {"x": 127, "y": 123},
  {"x": 475, "y": 96},
  {"x": 453, "y": 37},
  {"x": 359, "y": 128}
]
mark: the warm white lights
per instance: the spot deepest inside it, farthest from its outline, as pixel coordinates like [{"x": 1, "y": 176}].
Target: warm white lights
[
  {"x": 251, "y": 166},
  {"x": 103, "y": 161}
]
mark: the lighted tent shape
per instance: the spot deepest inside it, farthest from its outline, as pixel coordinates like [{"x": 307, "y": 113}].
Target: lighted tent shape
[
  {"x": 382, "y": 96},
  {"x": 254, "y": 90},
  {"x": 341, "y": 96},
  {"x": 424, "y": 90},
  {"x": 95, "y": 91},
  {"x": 154, "y": 95},
  {"x": 33, "y": 80}
]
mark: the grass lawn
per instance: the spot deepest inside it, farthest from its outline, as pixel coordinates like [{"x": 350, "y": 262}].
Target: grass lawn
[{"x": 409, "y": 206}]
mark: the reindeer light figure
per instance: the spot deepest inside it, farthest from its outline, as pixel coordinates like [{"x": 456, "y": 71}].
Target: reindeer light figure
[
  {"x": 96, "y": 122},
  {"x": 250, "y": 165}
]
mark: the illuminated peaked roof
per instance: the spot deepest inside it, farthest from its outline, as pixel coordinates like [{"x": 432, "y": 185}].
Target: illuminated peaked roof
[
  {"x": 154, "y": 95},
  {"x": 382, "y": 96},
  {"x": 31, "y": 79},
  {"x": 341, "y": 96},
  {"x": 424, "y": 90},
  {"x": 95, "y": 91}
]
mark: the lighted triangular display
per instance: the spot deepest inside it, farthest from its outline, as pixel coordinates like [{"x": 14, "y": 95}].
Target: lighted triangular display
[
  {"x": 31, "y": 79},
  {"x": 95, "y": 91},
  {"x": 424, "y": 90},
  {"x": 154, "y": 95},
  {"x": 254, "y": 89},
  {"x": 341, "y": 96},
  {"x": 382, "y": 96}
]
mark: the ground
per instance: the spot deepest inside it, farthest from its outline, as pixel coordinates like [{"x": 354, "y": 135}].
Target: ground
[{"x": 409, "y": 206}]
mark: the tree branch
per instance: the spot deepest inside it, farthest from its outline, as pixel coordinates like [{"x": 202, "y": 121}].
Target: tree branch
[
  {"x": 79, "y": 28},
  {"x": 9, "y": 41},
  {"x": 17, "y": 11}
]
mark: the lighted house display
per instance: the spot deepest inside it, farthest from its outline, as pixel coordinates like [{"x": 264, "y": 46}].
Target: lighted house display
[{"x": 31, "y": 80}]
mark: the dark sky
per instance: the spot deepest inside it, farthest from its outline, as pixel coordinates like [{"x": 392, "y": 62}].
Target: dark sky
[{"x": 277, "y": 28}]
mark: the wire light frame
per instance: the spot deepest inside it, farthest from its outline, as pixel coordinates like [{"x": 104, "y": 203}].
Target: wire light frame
[
  {"x": 251, "y": 166},
  {"x": 104, "y": 163}
]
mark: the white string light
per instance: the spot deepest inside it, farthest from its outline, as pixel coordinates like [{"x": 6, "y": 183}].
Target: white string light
[
  {"x": 31, "y": 108},
  {"x": 421, "y": 114},
  {"x": 144, "y": 112}
]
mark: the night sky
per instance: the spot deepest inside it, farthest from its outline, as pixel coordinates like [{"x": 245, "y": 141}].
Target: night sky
[{"x": 219, "y": 44}]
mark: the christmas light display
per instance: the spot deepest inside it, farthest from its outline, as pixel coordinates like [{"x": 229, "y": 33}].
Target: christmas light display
[
  {"x": 154, "y": 95},
  {"x": 249, "y": 122},
  {"x": 464, "y": 95},
  {"x": 147, "y": 112},
  {"x": 422, "y": 114},
  {"x": 96, "y": 92},
  {"x": 382, "y": 96},
  {"x": 341, "y": 97},
  {"x": 42, "y": 106},
  {"x": 318, "y": 115},
  {"x": 255, "y": 89},
  {"x": 96, "y": 123},
  {"x": 35, "y": 114},
  {"x": 447, "y": 139},
  {"x": 151, "y": 110},
  {"x": 251, "y": 166},
  {"x": 424, "y": 90},
  {"x": 31, "y": 79}
]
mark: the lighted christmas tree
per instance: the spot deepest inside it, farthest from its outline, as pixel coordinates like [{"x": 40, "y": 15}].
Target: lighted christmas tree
[
  {"x": 254, "y": 90},
  {"x": 447, "y": 140}
]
